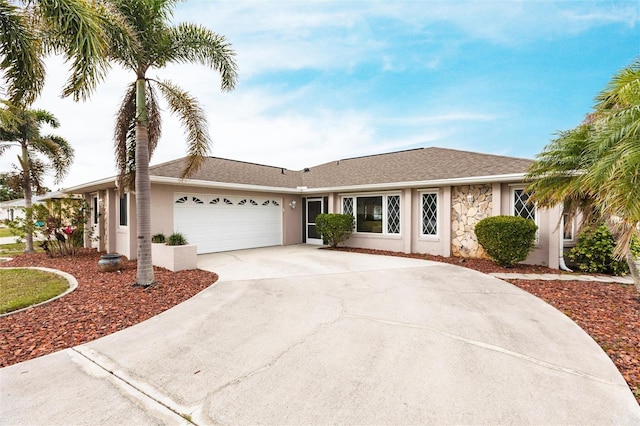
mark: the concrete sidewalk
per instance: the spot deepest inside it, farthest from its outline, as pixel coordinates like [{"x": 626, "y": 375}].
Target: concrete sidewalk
[{"x": 296, "y": 335}]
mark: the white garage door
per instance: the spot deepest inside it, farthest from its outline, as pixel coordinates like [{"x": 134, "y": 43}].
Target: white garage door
[{"x": 222, "y": 222}]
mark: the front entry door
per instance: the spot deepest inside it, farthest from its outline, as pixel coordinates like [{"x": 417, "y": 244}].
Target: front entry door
[{"x": 314, "y": 208}]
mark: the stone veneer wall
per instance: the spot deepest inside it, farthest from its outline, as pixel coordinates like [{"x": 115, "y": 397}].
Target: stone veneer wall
[{"x": 464, "y": 216}]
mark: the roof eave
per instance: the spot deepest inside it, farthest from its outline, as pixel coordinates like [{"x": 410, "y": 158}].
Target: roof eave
[
  {"x": 164, "y": 180},
  {"x": 96, "y": 185},
  {"x": 514, "y": 177}
]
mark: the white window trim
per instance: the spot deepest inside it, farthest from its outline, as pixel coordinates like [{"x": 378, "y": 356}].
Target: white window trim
[
  {"x": 385, "y": 212},
  {"x": 435, "y": 236}
]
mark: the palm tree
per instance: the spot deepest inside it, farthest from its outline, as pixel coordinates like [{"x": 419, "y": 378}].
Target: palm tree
[
  {"x": 138, "y": 122},
  {"x": 595, "y": 167},
  {"x": 22, "y": 127},
  {"x": 75, "y": 28}
]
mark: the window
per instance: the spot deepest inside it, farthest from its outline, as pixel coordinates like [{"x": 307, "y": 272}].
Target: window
[
  {"x": 369, "y": 214},
  {"x": 347, "y": 205},
  {"x": 429, "y": 214},
  {"x": 95, "y": 214},
  {"x": 124, "y": 211},
  {"x": 521, "y": 205},
  {"x": 568, "y": 228},
  {"x": 393, "y": 214},
  {"x": 377, "y": 214}
]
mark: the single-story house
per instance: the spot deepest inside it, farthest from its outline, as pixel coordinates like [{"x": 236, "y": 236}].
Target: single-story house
[
  {"x": 424, "y": 200},
  {"x": 14, "y": 209}
]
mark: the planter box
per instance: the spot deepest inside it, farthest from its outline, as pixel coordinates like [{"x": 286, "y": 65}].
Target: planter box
[{"x": 175, "y": 258}]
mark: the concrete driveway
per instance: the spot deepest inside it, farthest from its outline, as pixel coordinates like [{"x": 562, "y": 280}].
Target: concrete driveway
[{"x": 299, "y": 335}]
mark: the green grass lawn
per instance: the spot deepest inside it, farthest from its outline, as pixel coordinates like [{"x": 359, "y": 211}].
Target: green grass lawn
[
  {"x": 20, "y": 288},
  {"x": 5, "y": 232},
  {"x": 14, "y": 249}
]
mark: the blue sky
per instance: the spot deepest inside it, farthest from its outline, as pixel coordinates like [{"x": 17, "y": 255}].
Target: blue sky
[{"x": 323, "y": 80}]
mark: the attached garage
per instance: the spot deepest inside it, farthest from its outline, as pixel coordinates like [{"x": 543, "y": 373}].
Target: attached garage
[{"x": 228, "y": 222}]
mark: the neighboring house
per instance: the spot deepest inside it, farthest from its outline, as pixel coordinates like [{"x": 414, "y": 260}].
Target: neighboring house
[
  {"x": 14, "y": 209},
  {"x": 425, "y": 200}
]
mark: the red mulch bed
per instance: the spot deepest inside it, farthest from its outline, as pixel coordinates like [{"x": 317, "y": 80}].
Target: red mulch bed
[{"x": 103, "y": 303}]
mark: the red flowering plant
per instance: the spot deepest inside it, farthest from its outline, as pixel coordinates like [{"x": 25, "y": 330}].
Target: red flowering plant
[{"x": 60, "y": 225}]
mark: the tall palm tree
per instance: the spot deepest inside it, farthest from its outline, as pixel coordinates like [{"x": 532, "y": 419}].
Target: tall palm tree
[
  {"x": 138, "y": 122},
  {"x": 22, "y": 127},
  {"x": 75, "y": 28},
  {"x": 596, "y": 166}
]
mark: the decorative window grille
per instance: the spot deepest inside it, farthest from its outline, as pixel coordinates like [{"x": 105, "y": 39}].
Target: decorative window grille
[
  {"x": 521, "y": 205},
  {"x": 429, "y": 214},
  {"x": 253, "y": 203},
  {"x": 182, "y": 200},
  {"x": 275, "y": 203},
  {"x": 393, "y": 214},
  {"x": 197, "y": 200},
  {"x": 215, "y": 201},
  {"x": 266, "y": 203},
  {"x": 228, "y": 202},
  {"x": 347, "y": 205}
]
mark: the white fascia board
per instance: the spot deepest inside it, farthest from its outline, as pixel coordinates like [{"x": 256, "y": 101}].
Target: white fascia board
[
  {"x": 222, "y": 185},
  {"x": 105, "y": 183},
  {"x": 519, "y": 177},
  {"x": 110, "y": 183}
]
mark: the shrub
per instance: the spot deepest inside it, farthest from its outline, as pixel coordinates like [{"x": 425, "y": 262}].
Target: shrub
[
  {"x": 176, "y": 239},
  {"x": 594, "y": 252},
  {"x": 60, "y": 224},
  {"x": 334, "y": 227},
  {"x": 506, "y": 239},
  {"x": 158, "y": 238}
]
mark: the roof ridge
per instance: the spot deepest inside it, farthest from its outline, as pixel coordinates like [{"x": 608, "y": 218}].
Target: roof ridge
[
  {"x": 381, "y": 153},
  {"x": 223, "y": 159}
]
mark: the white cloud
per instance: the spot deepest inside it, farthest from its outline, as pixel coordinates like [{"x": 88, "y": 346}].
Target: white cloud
[{"x": 297, "y": 124}]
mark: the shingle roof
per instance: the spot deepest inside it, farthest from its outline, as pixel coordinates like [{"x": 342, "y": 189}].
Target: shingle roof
[
  {"x": 231, "y": 171},
  {"x": 416, "y": 165},
  {"x": 422, "y": 164}
]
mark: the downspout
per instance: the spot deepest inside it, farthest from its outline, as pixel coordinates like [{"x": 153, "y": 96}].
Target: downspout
[{"x": 561, "y": 264}]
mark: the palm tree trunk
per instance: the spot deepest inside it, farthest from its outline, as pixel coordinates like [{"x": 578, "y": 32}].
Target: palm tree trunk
[
  {"x": 145, "y": 276},
  {"x": 28, "y": 213},
  {"x": 634, "y": 268}
]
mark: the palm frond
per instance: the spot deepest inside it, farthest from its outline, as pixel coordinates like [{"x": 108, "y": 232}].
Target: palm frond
[
  {"x": 124, "y": 138},
  {"x": 75, "y": 30},
  {"x": 57, "y": 150},
  {"x": 193, "y": 120},
  {"x": 43, "y": 116},
  {"x": 124, "y": 43},
  {"x": 195, "y": 43},
  {"x": 21, "y": 51},
  {"x": 154, "y": 124}
]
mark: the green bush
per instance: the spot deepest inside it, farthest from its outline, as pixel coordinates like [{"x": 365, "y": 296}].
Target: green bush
[
  {"x": 334, "y": 227},
  {"x": 158, "y": 238},
  {"x": 176, "y": 239},
  {"x": 506, "y": 239},
  {"x": 60, "y": 224},
  {"x": 594, "y": 253}
]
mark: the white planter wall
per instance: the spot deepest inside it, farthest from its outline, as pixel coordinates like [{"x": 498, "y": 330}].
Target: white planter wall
[{"x": 175, "y": 258}]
